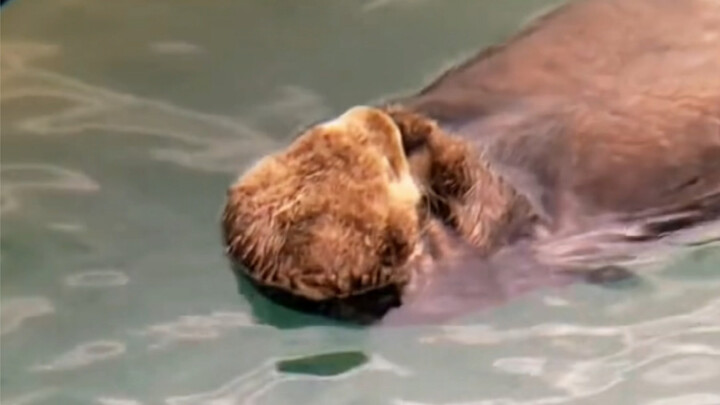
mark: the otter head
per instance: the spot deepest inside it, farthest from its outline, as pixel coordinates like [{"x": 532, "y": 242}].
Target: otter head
[{"x": 335, "y": 215}]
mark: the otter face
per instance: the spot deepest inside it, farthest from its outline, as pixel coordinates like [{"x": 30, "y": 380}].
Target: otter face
[{"x": 335, "y": 214}]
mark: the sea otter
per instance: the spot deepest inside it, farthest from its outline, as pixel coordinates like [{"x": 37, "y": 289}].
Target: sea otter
[{"x": 600, "y": 112}]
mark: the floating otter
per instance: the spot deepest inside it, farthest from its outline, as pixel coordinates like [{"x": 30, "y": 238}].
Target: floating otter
[{"x": 601, "y": 112}]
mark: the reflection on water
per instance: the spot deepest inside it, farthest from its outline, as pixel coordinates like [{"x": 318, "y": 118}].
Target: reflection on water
[
  {"x": 30, "y": 398},
  {"x": 215, "y": 142},
  {"x": 251, "y": 387},
  {"x": 15, "y": 311},
  {"x": 659, "y": 342},
  {"x": 117, "y": 401},
  {"x": 83, "y": 355},
  {"x": 124, "y": 122},
  {"x": 693, "y": 399},
  {"x": 38, "y": 178},
  {"x": 97, "y": 278},
  {"x": 174, "y": 47},
  {"x": 195, "y": 328}
]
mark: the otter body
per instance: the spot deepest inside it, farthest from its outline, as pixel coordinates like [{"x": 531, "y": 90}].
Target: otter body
[
  {"x": 602, "y": 112},
  {"x": 601, "y": 106}
]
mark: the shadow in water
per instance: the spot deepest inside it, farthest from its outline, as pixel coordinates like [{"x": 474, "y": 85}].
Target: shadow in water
[
  {"x": 323, "y": 365},
  {"x": 281, "y": 309},
  {"x": 467, "y": 285}
]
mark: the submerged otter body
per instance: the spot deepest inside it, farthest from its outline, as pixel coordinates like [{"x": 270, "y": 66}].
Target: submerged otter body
[
  {"x": 603, "y": 111},
  {"x": 614, "y": 102}
]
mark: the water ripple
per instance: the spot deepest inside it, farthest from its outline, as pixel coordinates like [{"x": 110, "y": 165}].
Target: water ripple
[
  {"x": 641, "y": 345},
  {"x": 533, "y": 366},
  {"x": 248, "y": 388},
  {"x": 117, "y": 401},
  {"x": 175, "y": 48},
  {"x": 373, "y": 5},
  {"x": 67, "y": 227},
  {"x": 15, "y": 311},
  {"x": 97, "y": 278},
  {"x": 84, "y": 355},
  {"x": 22, "y": 179},
  {"x": 686, "y": 370},
  {"x": 689, "y": 399},
  {"x": 195, "y": 328},
  {"x": 207, "y": 142},
  {"x": 31, "y": 397}
]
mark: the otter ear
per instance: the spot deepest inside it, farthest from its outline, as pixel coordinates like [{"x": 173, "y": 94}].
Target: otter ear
[{"x": 380, "y": 130}]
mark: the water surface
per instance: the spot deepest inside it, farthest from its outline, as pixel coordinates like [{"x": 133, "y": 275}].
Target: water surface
[{"x": 122, "y": 125}]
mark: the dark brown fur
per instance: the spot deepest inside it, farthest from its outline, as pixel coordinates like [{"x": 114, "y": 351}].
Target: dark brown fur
[
  {"x": 613, "y": 102},
  {"x": 602, "y": 109}
]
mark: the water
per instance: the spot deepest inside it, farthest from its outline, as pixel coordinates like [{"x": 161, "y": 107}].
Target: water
[{"x": 122, "y": 124}]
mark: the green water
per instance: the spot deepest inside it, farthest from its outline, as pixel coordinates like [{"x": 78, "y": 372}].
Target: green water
[{"x": 122, "y": 125}]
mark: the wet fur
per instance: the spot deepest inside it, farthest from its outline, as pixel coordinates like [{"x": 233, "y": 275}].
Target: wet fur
[
  {"x": 323, "y": 219},
  {"x": 595, "y": 89}
]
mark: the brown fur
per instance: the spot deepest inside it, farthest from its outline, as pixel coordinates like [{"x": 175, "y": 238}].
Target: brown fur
[
  {"x": 321, "y": 219},
  {"x": 594, "y": 90},
  {"x": 461, "y": 188},
  {"x": 604, "y": 107}
]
